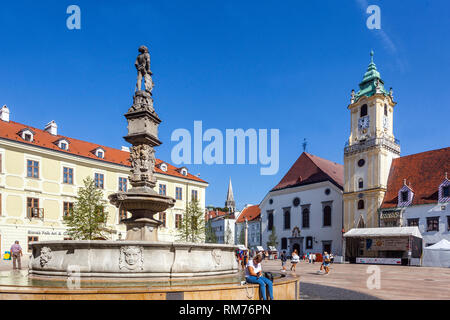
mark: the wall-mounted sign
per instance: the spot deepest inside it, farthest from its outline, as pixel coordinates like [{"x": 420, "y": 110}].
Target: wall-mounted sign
[
  {"x": 390, "y": 215},
  {"x": 379, "y": 260}
]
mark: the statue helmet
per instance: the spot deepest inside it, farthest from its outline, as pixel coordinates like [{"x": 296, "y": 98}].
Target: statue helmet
[{"x": 143, "y": 49}]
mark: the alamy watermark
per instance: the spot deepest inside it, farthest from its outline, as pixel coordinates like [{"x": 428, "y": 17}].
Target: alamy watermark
[
  {"x": 374, "y": 20},
  {"x": 374, "y": 280},
  {"x": 74, "y": 20},
  {"x": 215, "y": 153}
]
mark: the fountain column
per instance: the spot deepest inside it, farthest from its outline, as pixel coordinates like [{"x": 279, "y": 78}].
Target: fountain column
[{"x": 141, "y": 200}]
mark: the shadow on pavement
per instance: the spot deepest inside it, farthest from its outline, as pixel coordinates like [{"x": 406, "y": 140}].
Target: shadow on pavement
[{"x": 310, "y": 291}]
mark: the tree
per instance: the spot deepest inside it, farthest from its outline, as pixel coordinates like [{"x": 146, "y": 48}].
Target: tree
[
  {"x": 88, "y": 217},
  {"x": 192, "y": 227},
  {"x": 272, "y": 238},
  {"x": 210, "y": 235}
]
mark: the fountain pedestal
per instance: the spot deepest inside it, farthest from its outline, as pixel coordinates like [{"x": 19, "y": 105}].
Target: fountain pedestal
[{"x": 142, "y": 201}]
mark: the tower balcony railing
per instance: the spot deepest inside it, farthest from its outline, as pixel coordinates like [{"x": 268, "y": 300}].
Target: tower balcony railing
[{"x": 392, "y": 144}]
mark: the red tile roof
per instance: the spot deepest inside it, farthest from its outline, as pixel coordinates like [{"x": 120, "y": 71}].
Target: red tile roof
[
  {"x": 312, "y": 169},
  {"x": 216, "y": 213},
  {"x": 424, "y": 172},
  {"x": 10, "y": 131},
  {"x": 251, "y": 213}
]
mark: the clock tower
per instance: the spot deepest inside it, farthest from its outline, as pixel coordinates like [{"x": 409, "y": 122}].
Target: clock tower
[{"x": 369, "y": 150}]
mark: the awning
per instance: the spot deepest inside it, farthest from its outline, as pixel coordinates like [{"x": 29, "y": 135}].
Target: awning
[
  {"x": 259, "y": 248},
  {"x": 272, "y": 248},
  {"x": 242, "y": 247},
  {"x": 441, "y": 245},
  {"x": 383, "y": 232}
]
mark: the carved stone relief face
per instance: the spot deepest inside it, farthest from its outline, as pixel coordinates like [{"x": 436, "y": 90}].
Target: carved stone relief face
[
  {"x": 216, "y": 254},
  {"x": 131, "y": 258},
  {"x": 46, "y": 256}
]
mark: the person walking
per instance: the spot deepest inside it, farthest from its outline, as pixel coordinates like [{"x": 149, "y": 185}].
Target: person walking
[
  {"x": 313, "y": 258},
  {"x": 294, "y": 260},
  {"x": 283, "y": 259},
  {"x": 16, "y": 253},
  {"x": 326, "y": 262},
  {"x": 309, "y": 257},
  {"x": 253, "y": 274}
]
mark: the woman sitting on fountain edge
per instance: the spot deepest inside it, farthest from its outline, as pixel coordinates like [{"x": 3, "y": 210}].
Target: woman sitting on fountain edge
[{"x": 253, "y": 274}]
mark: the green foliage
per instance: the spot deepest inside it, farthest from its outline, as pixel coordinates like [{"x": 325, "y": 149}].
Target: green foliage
[
  {"x": 192, "y": 227},
  {"x": 88, "y": 218},
  {"x": 273, "y": 238},
  {"x": 210, "y": 236}
]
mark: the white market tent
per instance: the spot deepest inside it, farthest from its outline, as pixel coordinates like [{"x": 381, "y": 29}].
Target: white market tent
[
  {"x": 242, "y": 247},
  {"x": 384, "y": 232},
  {"x": 437, "y": 255}
]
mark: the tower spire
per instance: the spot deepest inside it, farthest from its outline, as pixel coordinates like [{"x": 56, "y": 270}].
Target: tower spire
[{"x": 230, "y": 203}]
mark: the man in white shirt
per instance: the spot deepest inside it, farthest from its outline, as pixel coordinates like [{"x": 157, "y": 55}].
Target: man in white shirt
[{"x": 253, "y": 274}]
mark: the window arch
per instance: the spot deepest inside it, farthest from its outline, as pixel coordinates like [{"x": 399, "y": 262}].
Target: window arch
[
  {"x": 269, "y": 220},
  {"x": 360, "y": 204},
  {"x": 305, "y": 218},
  {"x": 327, "y": 216},
  {"x": 363, "y": 110},
  {"x": 360, "y": 183}
]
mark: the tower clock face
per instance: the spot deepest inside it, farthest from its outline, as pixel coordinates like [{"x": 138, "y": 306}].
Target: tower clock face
[{"x": 363, "y": 123}]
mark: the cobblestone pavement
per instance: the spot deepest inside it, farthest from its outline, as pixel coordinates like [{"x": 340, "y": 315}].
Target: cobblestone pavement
[{"x": 349, "y": 281}]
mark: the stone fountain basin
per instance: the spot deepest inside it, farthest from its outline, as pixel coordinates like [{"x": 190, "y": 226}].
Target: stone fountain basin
[
  {"x": 130, "y": 259},
  {"x": 151, "y": 202}
]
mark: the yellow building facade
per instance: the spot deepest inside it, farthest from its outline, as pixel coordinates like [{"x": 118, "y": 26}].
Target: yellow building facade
[
  {"x": 369, "y": 151},
  {"x": 39, "y": 183}
]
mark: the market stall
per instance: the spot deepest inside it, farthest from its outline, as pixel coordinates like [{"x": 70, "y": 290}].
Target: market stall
[
  {"x": 273, "y": 253},
  {"x": 399, "y": 245},
  {"x": 437, "y": 255}
]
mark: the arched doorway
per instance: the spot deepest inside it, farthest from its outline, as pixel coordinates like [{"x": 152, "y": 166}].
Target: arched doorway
[{"x": 296, "y": 246}]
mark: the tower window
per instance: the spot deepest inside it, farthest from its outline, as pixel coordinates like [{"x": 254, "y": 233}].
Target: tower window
[
  {"x": 446, "y": 191},
  {"x": 363, "y": 110},
  {"x": 269, "y": 221},
  {"x": 360, "y": 183},
  {"x": 385, "y": 110},
  {"x": 361, "y": 162},
  {"x": 287, "y": 218},
  {"x": 305, "y": 218},
  {"x": 360, "y": 204}
]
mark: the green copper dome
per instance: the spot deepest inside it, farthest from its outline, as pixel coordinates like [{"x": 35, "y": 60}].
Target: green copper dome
[{"x": 370, "y": 82}]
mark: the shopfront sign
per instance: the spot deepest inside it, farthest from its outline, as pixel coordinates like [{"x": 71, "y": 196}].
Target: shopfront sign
[
  {"x": 379, "y": 260},
  {"x": 385, "y": 244}
]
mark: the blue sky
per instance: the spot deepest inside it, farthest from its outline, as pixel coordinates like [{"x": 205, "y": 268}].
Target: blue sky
[{"x": 288, "y": 65}]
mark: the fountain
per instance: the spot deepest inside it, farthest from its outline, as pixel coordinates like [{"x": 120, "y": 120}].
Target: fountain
[{"x": 140, "y": 266}]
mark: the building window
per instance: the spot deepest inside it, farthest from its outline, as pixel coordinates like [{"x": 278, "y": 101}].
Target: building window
[
  {"x": 283, "y": 243},
  {"x": 100, "y": 153},
  {"x": 122, "y": 214},
  {"x": 68, "y": 175},
  {"x": 162, "y": 189},
  {"x": 363, "y": 110},
  {"x": 327, "y": 191},
  {"x": 296, "y": 201},
  {"x": 178, "y": 193},
  {"x": 162, "y": 217},
  {"x": 309, "y": 242},
  {"x": 27, "y": 137},
  {"x": 445, "y": 191},
  {"x": 99, "y": 180},
  {"x": 194, "y": 195},
  {"x": 31, "y": 239},
  {"x": 33, "y": 210},
  {"x": 360, "y": 204},
  {"x": 269, "y": 221},
  {"x": 67, "y": 208},
  {"x": 178, "y": 221},
  {"x": 122, "y": 184},
  {"x": 287, "y": 218},
  {"x": 305, "y": 218},
  {"x": 327, "y": 216},
  {"x": 361, "y": 162},
  {"x": 404, "y": 195},
  {"x": 433, "y": 224},
  {"x": 413, "y": 222},
  {"x": 360, "y": 183},
  {"x": 32, "y": 169}
]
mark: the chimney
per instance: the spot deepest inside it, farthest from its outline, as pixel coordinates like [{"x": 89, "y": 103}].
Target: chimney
[
  {"x": 4, "y": 113},
  {"x": 52, "y": 128}
]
